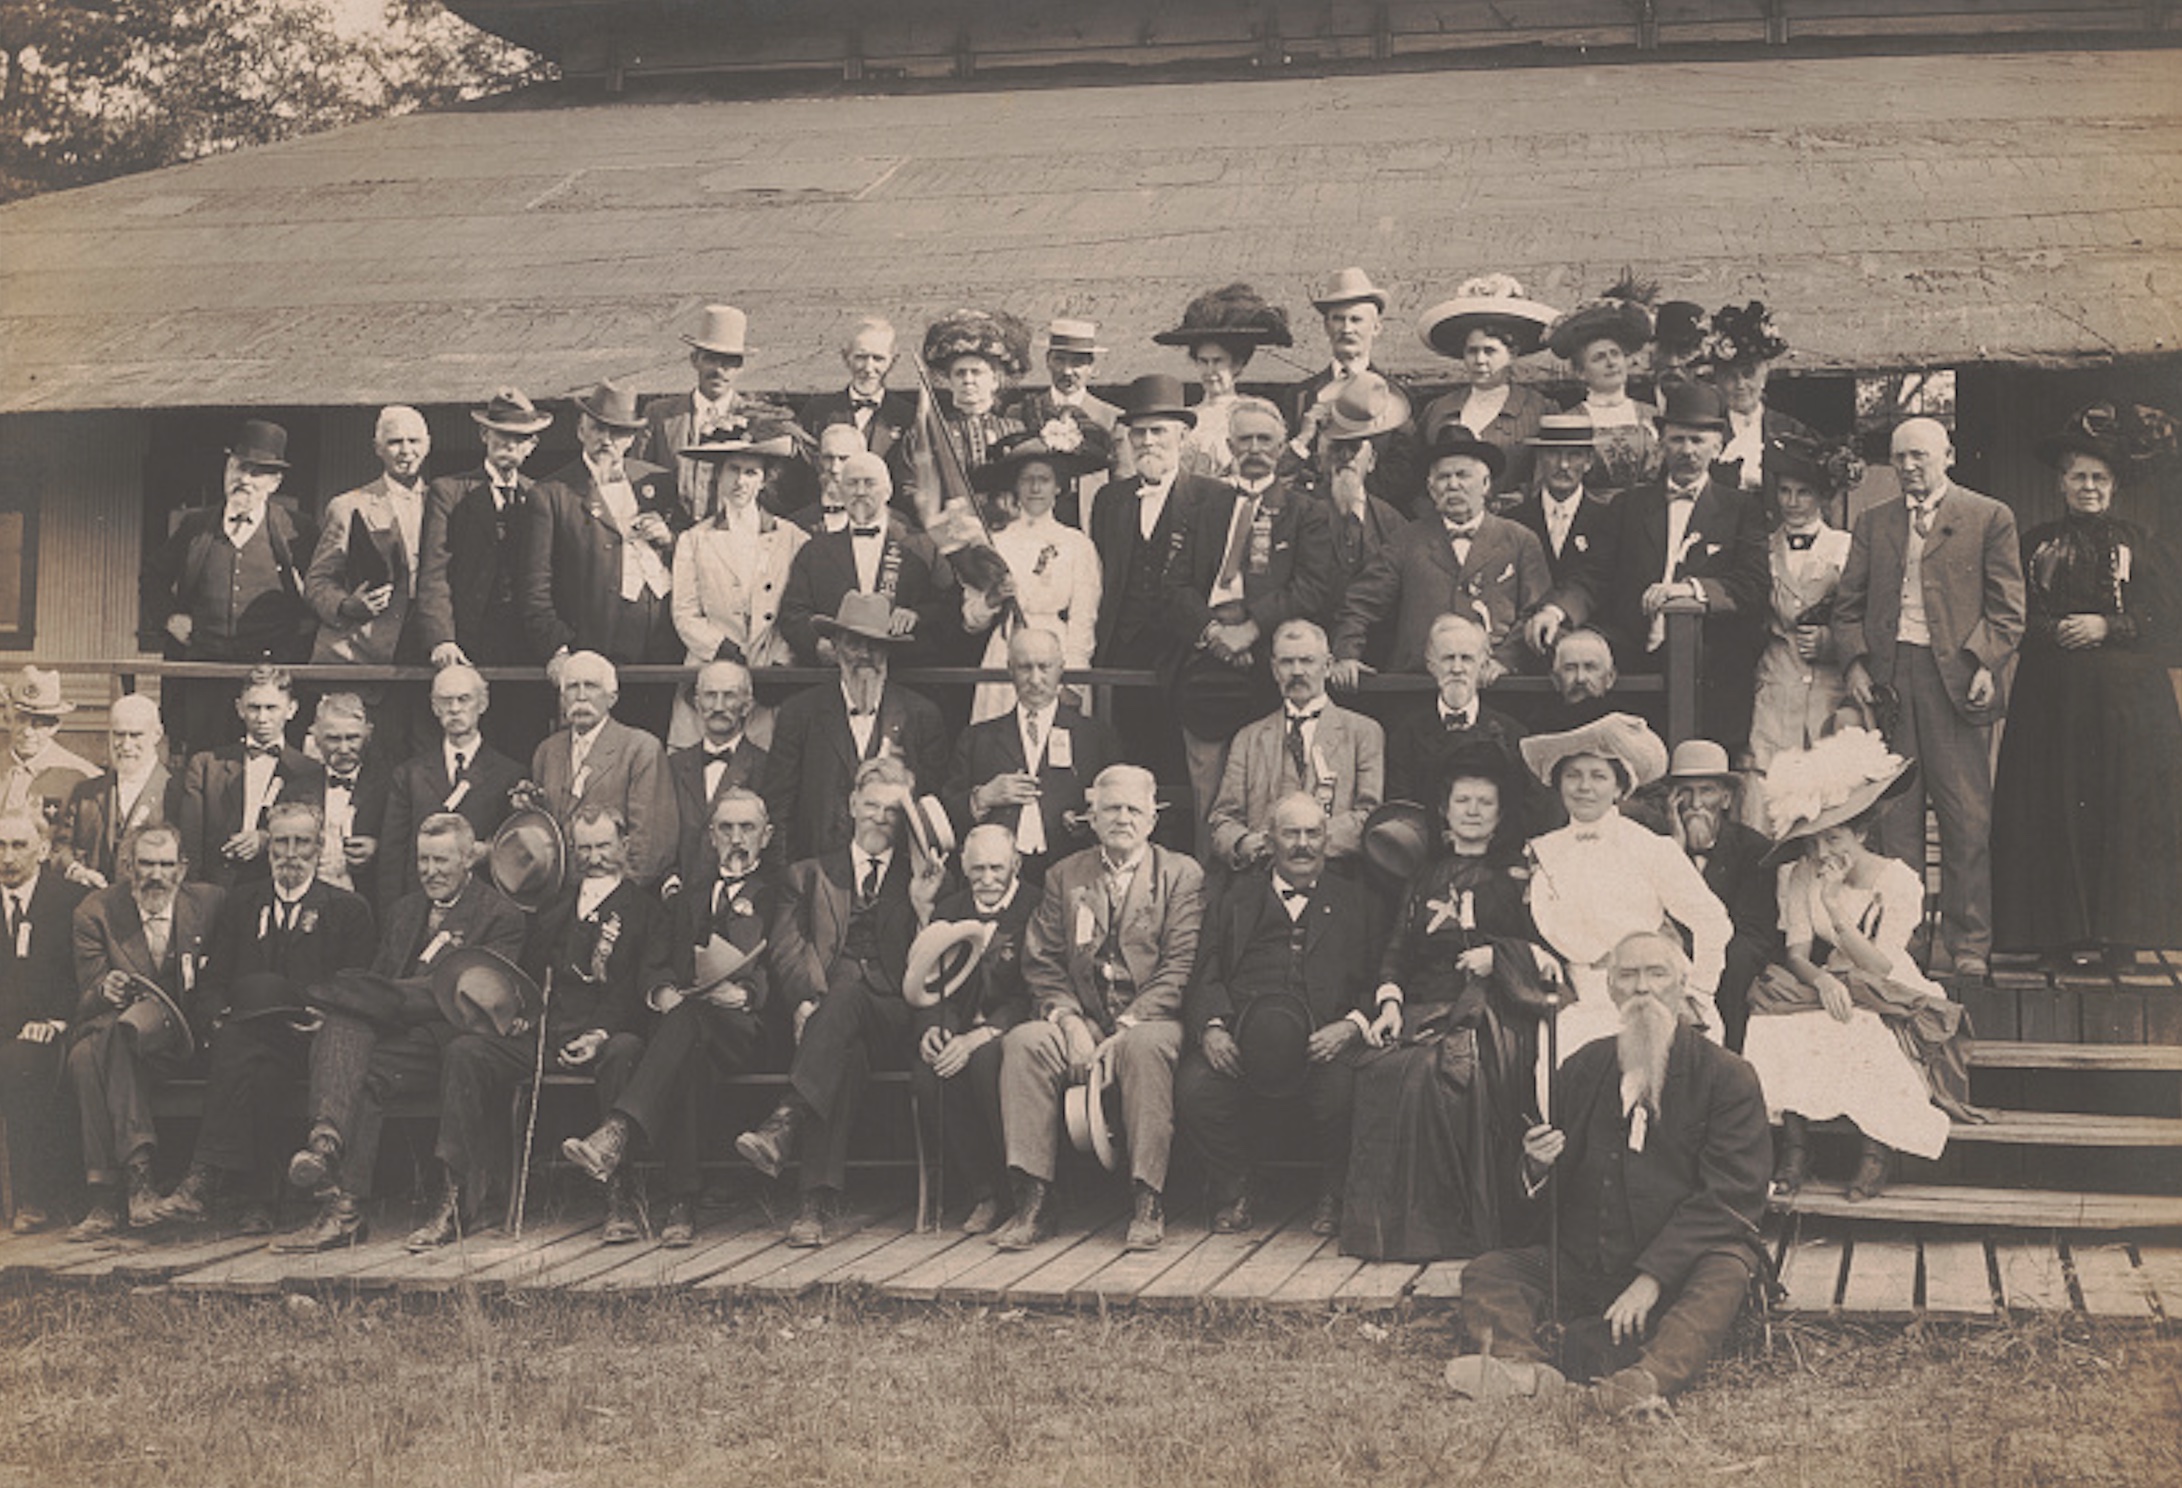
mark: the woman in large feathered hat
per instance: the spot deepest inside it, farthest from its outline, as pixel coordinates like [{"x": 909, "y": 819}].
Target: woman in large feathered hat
[{"x": 1222, "y": 330}]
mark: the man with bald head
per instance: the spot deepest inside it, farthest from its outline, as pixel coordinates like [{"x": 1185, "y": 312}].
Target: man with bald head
[
  {"x": 1929, "y": 613},
  {"x": 458, "y": 772},
  {"x": 136, "y": 787},
  {"x": 875, "y": 553},
  {"x": 599, "y": 760},
  {"x": 363, "y": 599}
]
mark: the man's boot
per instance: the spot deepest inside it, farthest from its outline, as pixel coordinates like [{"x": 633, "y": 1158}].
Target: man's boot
[
  {"x": 445, "y": 1225},
  {"x": 1033, "y": 1222},
  {"x": 600, "y": 1153},
  {"x": 820, "y": 1211},
  {"x": 313, "y": 1168},
  {"x": 770, "y": 1146},
  {"x": 191, "y": 1200},
  {"x": 1794, "y": 1168},
  {"x": 1872, "y": 1172},
  {"x": 1148, "y": 1226},
  {"x": 340, "y": 1222},
  {"x": 104, "y": 1218},
  {"x": 621, "y": 1226},
  {"x": 143, "y": 1193}
]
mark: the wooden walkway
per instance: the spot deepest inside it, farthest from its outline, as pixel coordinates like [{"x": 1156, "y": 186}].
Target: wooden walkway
[{"x": 1831, "y": 1268}]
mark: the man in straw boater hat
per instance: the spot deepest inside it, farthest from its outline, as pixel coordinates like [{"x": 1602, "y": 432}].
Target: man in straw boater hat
[
  {"x": 842, "y": 948},
  {"x": 272, "y": 938},
  {"x": 597, "y": 760},
  {"x": 715, "y": 408},
  {"x": 1110, "y": 950},
  {"x": 1072, "y": 350},
  {"x": 874, "y": 553},
  {"x": 1353, "y": 311},
  {"x": 227, "y": 585},
  {"x": 1577, "y": 531},
  {"x": 598, "y": 554},
  {"x": 1656, "y": 1156},
  {"x": 37, "y": 996},
  {"x": 1221, "y": 330},
  {"x": 38, "y": 771},
  {"x": 140, "y": 949},
  {"x": 1281, "y": 1001}
]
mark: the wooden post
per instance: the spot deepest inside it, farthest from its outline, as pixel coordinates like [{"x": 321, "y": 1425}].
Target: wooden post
[
  {"x": 1685, "y": 666},
  {"x": 1776, "y": 22},
  {"x": 1647, "y": 34}
]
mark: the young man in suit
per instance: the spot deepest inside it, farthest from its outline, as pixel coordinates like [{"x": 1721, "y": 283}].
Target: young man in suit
[
  {"x": 1460, "y": 560},
  {"x": 1931, "y": 607},
  {"x": 841, "y": 952},
  {"x": 136, "y": 787},
  {"x": 37, "y": 769},
  {"x": 37, "y": 995},
  {"x": 466, "y": 609},
  {"x": 383, "y": 1030},
  {"x": 460, "y": 773},
  {"x": 1353, "y": 311},
  {"x": 150, "y": 926},
  {"x": 1577, "y": 532},
  {"x": 873, "y": 554},
  {"x": 714, "y": 409},
  {"x": 225, "y": 791},
  {"x": 824, "y": 735},
  {"x": 723, "y": 759},
  {"x": 1285, "y": 928},
  {"x": 877, "y": 417},
  {"x": 1426, "y": 739},
  {"x": 1110, "y": 948},
  {"x": 1306, "y": 745},
  {"x": 1026, "y": 770},
  {"x": 273, "y": 938},
  {"x": 599, "y": 760}
]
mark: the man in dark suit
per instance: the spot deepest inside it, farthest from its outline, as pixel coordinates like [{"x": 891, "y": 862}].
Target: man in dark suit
[
  {"x": 715, "y": 409},
  {"x": 830, "y": 512},
  {"x": 598, "y": 554},
  {"x": 878, "y": 417},
  {"x": 472, "y": 554},
  {"x": 991, "y": 778},
  {"x": 1353, "y": 310},
  {"x": 1931, "y": 607},
  {"x": 273, "y": 938},
  {"x": 599, "y": 760},
  {"x": 723, "y": 759},
  {"x": 383, "y": 1031},
  {"x": 1700, "y": 808},
  {"x": 1360, "y": 524},
  {"x": 1288, "y": 930},
  {"x": 825, "y": 734},
  {"x": 37, "y": 995},
  {"x": 1661, "y": 1152},
  {"x": 461, "y": 773},
  {"x": 136, "y": 787},
  {"x": 874, "y": 554},
  {"x": 225, "y": 791},
  {"x": 1576, "y": 530},
  {"x": 839, "y": 961},
  {"x": 358, "y": 779},
  {"x": 150, "y": 926},
  {"x": 1426, "y": 739},
  {"x": 227, "y": 585},
  {"x": 598, "y": 948},
  {"x": 1688, "y": 539}
]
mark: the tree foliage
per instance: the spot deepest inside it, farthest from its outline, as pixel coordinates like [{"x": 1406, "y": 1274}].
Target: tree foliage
[{"x": 91, "y": 89}]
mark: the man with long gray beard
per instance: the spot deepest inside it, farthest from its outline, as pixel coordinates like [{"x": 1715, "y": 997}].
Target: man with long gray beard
[
  {"x": 1659, "y": 1150},
  {"x": 1701, "y": 816}
]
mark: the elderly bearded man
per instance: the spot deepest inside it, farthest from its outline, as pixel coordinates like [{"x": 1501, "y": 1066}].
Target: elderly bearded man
[
  {"x": 1702, "y": 796},
  {"x": 1425, "y": 741},
  {"x": 1661, "y": 1154},
  {"x": 136, "y": 788}
]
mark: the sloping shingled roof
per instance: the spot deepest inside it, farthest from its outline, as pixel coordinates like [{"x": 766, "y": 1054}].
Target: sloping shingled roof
[{"x": 1893, "y": 211}]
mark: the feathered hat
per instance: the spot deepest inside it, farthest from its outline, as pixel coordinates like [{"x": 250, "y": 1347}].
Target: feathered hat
[
  {"x": 1623, "y": 314},
  {"x": 1836, "y": 780},
  {"x": 1831, "y": 466},
  {"x": 1234, "y": 315},
  {"x": 1744, "y": 336},
  {"x": 995, "y": 335},
  {"x": 2119, "y": 433}
]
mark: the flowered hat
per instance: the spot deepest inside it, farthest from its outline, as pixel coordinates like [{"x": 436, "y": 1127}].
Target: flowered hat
[
  {"x": 995, "y": 335},
  {"x": 1490, "y": 302},
  {"x": 1743, "y": 336},
  {"x": 1836, "y": 780}
]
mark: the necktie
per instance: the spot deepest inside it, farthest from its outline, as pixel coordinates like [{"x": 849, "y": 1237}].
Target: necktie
[
  {"x": 462, "y": 762},
  {"x": 1920, "y": 514},
  {"x": 1032, "y": 733},
  {"x": 157, "y": 932},
  {"x": 868, "y": 890},
  {"x": 435, "y": 915},
  {"x": 285, "y": 913},
  {"x": 724, "y": 893},
  {"x": 1296, "y": 753},
  {"x": 15, "y": 919},
  {"x": 863, "y": 532},
  {"x": 238, "y": 522},
  {"x": 1800, "y": 542}
]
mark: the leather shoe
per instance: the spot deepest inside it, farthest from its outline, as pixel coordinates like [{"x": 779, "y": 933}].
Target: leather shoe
[
  {"x": 29, "y": 1220},
  {"x": 818, "y": 1211},
  {"x": 192, "y": 1197},
  {"x": 1870, "y": 1179},
  {"x": 1630, "y": 1392},
  {"x": 1326, "y": 1215},
  {"x": 313, "y": 1168},
  {"x": 1971, "y": 968},
  {"x": 1234, "y": 1216},
  {"x": 144, "y": 1197},
  {"x": 600, "y": 1153},
  {"x": 621, "y": 1226},
  {"x": 768, "y": 1147},
  {"x": 680, "y": 1230},
  {"x": 984, "y": 1216},
  {"x": 1033, "y": 1221},
  {"x": 445, "y": 1225},
  {"x": 340, "y": 1222},
  {"x": 1148, "y": 1226},
  {"x": 103, "y": 1220},
  {"x": 1482, "y": 1377},
  {"x": 1794, "y": 1168},
  {"x": 254, "y": 1218}
]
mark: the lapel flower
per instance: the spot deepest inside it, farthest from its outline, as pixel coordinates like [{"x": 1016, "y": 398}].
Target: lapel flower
[
  {"x": 307, "y": 921},
  {"x": 742, "y": 907},
  {"x": 1583, "y": 543}
]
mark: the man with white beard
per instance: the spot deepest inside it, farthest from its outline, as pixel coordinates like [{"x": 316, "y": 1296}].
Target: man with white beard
[{"x": 1659, "y": 1151}]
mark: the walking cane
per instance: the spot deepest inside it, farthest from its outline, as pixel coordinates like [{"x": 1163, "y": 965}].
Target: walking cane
[
  {"x": 530, "y": 1127},
  {"x": 1553, "y": 1189}
]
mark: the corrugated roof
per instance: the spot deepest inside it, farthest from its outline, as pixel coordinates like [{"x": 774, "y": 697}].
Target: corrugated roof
[{"x": 1894, "y": 211}]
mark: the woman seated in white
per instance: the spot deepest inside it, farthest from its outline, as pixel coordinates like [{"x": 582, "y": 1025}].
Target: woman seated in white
[
  {"x": 1052, "y": 569},
  {"x": 1849, "y": 1026}
]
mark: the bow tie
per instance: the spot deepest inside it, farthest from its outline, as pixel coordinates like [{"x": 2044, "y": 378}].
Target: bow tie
[
  {"x": 859, "y": 405},
  {"x": 261, "y": 751},
  {"x": 719, "y": 753},
  {"x": 1289, "y": 893},
  {"x": 1683, "y": 493},
  {"x": 341, "y": 782},
  {"x": 1589, "y": 834},
  {"x": 239, "y": 520},
  {"x": 1801, "y": 542},
  {"x": 869, "y": 712},
  {"x": 731, "y": 888},
  {"x": 1464, "y": 534},
  {"x": 863, "y": 532},
  {"x": 1465, "y": 719}
]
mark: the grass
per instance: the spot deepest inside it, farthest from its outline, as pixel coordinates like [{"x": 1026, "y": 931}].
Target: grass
[{"x": 109, "y": 1388}]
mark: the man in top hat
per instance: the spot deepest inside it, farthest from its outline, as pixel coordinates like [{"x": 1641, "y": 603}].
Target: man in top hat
[
  {"x": 598, "y": 553},
  {"x": 713, "y": 410},
  {"x": 1257, "y": 555},
  {"x": 824, "y": 735},
  {"x": 875, "y": 554},
  {"x": 1741, "y": 350},
  {"x": 1660, "y": 1152},
  {"x": 37, "y": 996},
  {"x": 1353, "y": 310},
  {"x": 458, "y": 772},
  {"x": 149, "y": 927},
  {"x": 136, "y": 787},
  {"x": 1426, "y": 739},
  {"x": 354, "y": 792},
  {"x": 1110, "y": 950},
  {"x": 1460, "y": 560},
  {"x": 1688, "y": 539},
  {"x": 722, "y": 759},
  {"x": 227, "y": 585},
  {"x": 597, "y": 760},
  {"x": 384, "y": 1031},
  {"x": 718, "y": 1015},
  {"x": 1307, "y": 745},
  {"x": 839, "y": 956},
  {"x": 1286, "y": 930},
  {"x": 1578, "y": 532},
  {"x": 1931, "y": 606},
  {"x": 272, "y": 938},
  {"x": 225, "y": 791},
  {"x": 957, "y": 1071},
  {"x": 1072, "y": 350},
  {"x": 37, "y": 770},
  {"x": 467, "y": 575},
  {"x": 597, "y": 947},
  {"x": 364, "y": 599},
  {"x": 1025, "y": 771},
  {"x": 1702, "y": 795},
  {"x": 877, "y": 416}
]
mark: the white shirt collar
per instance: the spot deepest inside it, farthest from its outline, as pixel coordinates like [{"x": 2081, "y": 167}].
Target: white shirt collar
[{"x": 593, "y": 892}]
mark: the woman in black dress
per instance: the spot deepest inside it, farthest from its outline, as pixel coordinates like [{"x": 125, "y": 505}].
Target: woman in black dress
[{"x": 2087, "y": 804}]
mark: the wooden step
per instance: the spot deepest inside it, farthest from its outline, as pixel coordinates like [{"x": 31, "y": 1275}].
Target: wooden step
[
  {"x": 2056, "y": 1129},
  {"x": 2016, "y": 1208},
  {"x": 2011, "y": 1054}
]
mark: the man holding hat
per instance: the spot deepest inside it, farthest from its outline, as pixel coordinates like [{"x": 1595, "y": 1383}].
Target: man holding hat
[
  {"x": 1286, "y": 972},
  {"x": 136, "y": 787},
  {"x": 227, "y": 585},
  {"x": 878, "y": 418},
  {"x": 1702, "y": 795},
  {"x": 1460, "y": 560},
  {"x": 874, "y": 554},
  {"x": 714, "y": 409},
  {"x": 1353, "y": 311},
  {"x": 37, "y": 995},
  {"x": 1578, "y": 532},
  {"x": 140, "y": 950},
  {"x": 272, "y": 938},
  {"x": 37, "y": 771},
  {"x": 364, "y": 598},
  {"x": 597, "y": 760},
  {"x": 598, "y": 554}
]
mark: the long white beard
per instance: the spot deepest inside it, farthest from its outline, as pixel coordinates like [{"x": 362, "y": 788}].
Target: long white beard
[{"x": 1644, "y": 1042}]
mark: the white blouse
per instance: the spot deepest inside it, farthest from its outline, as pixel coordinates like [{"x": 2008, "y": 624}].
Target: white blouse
[
  {"x": 1595, "y": 884},
  {"x": 727, "y": 586}
]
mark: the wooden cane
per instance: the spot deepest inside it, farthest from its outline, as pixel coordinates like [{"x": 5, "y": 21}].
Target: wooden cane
[
  {"x": 1553, "y": 1189},
  {"x": 530, "y": 1127}
]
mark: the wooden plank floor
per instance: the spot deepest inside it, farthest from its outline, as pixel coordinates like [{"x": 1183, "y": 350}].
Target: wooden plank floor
[{"x": 1869, "y": 1271}]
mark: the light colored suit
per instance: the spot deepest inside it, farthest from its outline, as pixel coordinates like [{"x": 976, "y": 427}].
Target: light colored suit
[
  {"x": 713, "y": 604},
  {"x": 370, "y": 642},
  {"x": 1348, "y": 775},
  {"x": 626, "y": 769}
]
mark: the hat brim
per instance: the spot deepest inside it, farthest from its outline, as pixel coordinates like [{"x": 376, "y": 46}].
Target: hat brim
[
  {"x": 1376, "y": 297},
  {"x": 1090, "y": 1129},
  {"x": 783, "y": 448},
  {"x": 2054, "y": 450},
  {"x": 1252, "y": 337},
  {"x": 1186, "y": 417},
  {"x": 742, "y": 352},
  {"x": 147, "y": 990},
  {"x": 39, "y": 708},
  {"x": 466, "y": 1014},
  {"x": 503, "y": 874},
  {"x": 965, "y": 940},
  {"x": 826, "y": 625},
  {"x": 1521, "y": 323},
  {"x": 1398, "y": 838},
  {"x": 1396, "y": 413},
  {"x": 253, "y": 457},
  {"x": 630, "y": 426},
  {"x": 1609, "y": 737},
  {"x": 518, "y": 427},
  {"x": 1491, "y": 456},
  {"x": 1626, "y": 324},
  {"x": 999, "y": 475},
  {"x": 1790, "y": 843}
]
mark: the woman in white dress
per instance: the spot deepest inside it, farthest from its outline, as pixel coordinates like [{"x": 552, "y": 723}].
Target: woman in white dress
[
  {"x": 1605, "y": 876},
  {"x": 1221, "y": 330},
  {"x": 1052, "y": 569},
  {"x": 1849, "y": 1026},
  {"x": 730, "y": 568},
  {"x": 1599, "y": 339},
  {"x": 1800, "y": 687}
]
